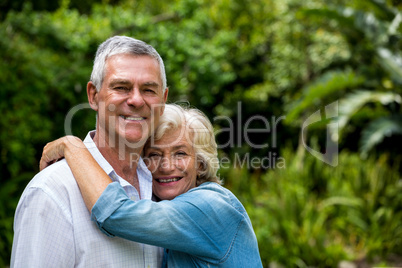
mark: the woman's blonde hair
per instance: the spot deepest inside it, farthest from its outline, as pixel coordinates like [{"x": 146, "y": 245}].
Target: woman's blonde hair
[{"x": 199, "y": 133}]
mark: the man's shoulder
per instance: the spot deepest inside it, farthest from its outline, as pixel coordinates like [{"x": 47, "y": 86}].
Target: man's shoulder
[
  {"x": 53, "y": 185},
  {"x": 56, "y": 177}
]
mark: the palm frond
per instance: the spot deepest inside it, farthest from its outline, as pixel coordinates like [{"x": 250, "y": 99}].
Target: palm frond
[
  {"x": 392, "y": 62},
  {"x": 377, "y": 130},
  {"x": 354, "y": 101},
  {"x": 323, "y": 87}
]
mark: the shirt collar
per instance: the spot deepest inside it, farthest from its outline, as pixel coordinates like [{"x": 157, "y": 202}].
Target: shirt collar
[
  {"x": 141, "y": 167},
  {"x": 142, "y": 170},
  {"x": 93, "y": 149}
]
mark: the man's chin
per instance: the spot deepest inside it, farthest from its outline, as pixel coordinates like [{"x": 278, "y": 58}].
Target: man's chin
[{"x": 134, "y": 142}]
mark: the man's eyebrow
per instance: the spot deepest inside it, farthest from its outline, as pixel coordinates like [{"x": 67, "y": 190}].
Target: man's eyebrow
[
  {"x": 127, "y": 82},
  {"x": 151, "y": 84},
  {"x": 119, "y": 82}
]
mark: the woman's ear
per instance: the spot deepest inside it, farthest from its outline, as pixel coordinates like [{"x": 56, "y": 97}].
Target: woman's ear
[
  {"x": 201, "y": 166},
  {"x": 92, "y": 96}
]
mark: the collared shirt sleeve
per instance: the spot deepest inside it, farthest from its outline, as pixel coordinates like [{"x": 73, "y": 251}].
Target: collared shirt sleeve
[
  {"x": 43, "y": 234},
  {"x": 201, "y": 222}
]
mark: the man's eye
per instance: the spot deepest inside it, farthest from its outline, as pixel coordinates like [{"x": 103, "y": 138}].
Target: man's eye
[
  {"x": 121, "y": 88},
  {"x": 148, "y": 90}
]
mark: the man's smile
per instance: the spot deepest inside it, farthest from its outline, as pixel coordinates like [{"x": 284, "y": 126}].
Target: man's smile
[{"x": 132, "y": 118}]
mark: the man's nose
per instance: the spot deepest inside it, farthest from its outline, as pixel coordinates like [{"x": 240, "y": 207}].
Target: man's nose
[{"x": 135, "y": 98}]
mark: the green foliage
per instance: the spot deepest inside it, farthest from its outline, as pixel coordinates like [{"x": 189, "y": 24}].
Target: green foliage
[
  {"x": 373, "y": 34},
  {"x": 392, "y": 62},
  {"x": 320, "y": 91},
  {"x": 354, "y": 101},
  {"x": 317, "y": 215},
  {"x": 39, "y": 83},
  {"x": 377, "y": 130}
]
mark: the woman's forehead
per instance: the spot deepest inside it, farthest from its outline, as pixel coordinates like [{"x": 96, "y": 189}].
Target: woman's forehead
[{"x": 173, "y": 138}]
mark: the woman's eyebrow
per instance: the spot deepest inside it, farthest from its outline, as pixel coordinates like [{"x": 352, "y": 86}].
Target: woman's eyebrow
[
  {"x": 176, "y": 147},
  {"x": 179, "y": 147}
]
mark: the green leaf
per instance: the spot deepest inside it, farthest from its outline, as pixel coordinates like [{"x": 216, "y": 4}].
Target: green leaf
[
  {"x": 342, "y": 201},
  {"x": 329, "y": 83},
  {"x": 357, "y": 99},
  {"x": 377, "y": 130},
  {"x": 392, "y": 62}
]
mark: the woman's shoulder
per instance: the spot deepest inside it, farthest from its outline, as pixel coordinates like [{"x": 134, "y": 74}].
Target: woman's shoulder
[
  {"x": 211, "y": 187},
  {"x": 214, "y": 193}
]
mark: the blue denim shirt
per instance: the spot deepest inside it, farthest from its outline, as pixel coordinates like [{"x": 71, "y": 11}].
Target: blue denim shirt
[{"x": 204, "y": 227}]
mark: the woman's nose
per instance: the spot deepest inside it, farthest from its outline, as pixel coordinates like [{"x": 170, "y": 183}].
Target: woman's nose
[{"x": 167, "y": 164}]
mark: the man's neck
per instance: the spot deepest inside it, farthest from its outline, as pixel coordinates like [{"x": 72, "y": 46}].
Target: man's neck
[{"x": 123, "y": 159}]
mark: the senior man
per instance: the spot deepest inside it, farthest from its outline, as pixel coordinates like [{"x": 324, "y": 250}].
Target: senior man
[{"x": 52, "y": 227}]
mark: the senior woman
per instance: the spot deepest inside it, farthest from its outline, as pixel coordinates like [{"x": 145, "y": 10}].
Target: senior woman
[{"x": 198, "y": 222}]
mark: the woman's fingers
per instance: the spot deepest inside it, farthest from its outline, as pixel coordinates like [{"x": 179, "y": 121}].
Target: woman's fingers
[{"x": 55, "y": 150}]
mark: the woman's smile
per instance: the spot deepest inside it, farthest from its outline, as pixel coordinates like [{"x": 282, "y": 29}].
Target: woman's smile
[{"x": 172, "y": 162}]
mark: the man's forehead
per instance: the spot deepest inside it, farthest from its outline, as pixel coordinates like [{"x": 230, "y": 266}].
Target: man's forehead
[
  {"x": 121, "y": 55},
  {"x": 124, "y": 80}
]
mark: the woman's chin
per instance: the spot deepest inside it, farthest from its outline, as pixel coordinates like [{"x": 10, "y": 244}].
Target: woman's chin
[{"x": 166, "y": 196}]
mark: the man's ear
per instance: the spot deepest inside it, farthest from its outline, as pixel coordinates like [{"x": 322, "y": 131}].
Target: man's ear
[
  {"x": 165, "y": 95},
  {"x": 92, "y": 96}
]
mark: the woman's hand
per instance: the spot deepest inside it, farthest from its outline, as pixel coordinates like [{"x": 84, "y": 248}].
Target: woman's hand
[{"x": 57, "y": 149}]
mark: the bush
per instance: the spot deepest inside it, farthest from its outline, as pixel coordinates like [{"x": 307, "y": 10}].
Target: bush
[{"x": 310, "y": 214}]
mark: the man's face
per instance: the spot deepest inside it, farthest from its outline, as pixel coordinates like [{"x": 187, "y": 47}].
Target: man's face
[{"x": 130, "y": 100}]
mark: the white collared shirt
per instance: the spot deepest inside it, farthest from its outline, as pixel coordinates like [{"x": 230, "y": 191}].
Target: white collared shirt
[{"x": 53, "y": 228}]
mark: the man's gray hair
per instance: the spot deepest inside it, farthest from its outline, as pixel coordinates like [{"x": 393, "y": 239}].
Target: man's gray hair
[{"x": 123, "y": 45}]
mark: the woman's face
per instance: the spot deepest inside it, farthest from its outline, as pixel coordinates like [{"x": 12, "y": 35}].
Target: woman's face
[{"x": 172, "y": 161}]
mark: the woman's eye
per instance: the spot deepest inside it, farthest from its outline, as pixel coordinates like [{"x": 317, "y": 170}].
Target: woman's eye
[
  {"x": 153, "y": 155},
  {"x": 180, "y": 154}
]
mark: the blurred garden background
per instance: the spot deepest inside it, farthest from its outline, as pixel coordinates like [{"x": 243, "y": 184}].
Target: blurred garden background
[{"x": 262, "y": 59}]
